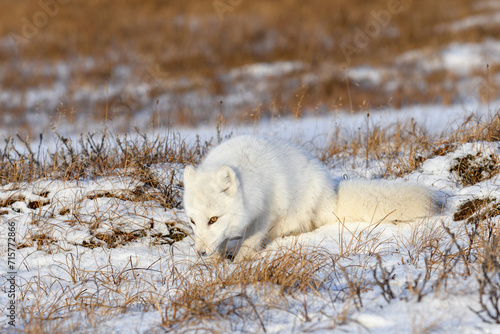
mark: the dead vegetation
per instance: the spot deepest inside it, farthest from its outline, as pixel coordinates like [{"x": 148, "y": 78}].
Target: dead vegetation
[
  {"x": 474, "y": 169},
  {"x": 193, "y": 295},
  {"x": 186, "y": 50},
  {"x": 248, "y": 295},
  {"x": 177, "y": 54},
  {"x": 98, "y": 155},
  {"x": 404, "y": 147},
  {"x": 225, "y": 290}
]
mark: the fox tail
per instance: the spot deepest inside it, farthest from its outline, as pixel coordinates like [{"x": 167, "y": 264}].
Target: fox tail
[{"x": 377, "y": 200}]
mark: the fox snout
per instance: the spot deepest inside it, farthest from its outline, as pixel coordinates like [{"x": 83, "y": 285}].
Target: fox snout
[{"x": 202, "y": 247}]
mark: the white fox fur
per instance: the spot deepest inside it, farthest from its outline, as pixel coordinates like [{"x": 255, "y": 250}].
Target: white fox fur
[{"x": 256, "y": 189}]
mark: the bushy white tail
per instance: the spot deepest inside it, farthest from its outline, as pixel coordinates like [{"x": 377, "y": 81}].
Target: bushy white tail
[{"x": 376, "y": 200}]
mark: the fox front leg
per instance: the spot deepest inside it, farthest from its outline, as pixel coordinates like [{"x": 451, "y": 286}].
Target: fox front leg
[
  {"x": 248, "y": 250},
  {"x": 253, "y": 241}
]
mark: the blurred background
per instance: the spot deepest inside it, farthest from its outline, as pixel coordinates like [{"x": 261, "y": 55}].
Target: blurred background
[{"x": 133, "y": 63}]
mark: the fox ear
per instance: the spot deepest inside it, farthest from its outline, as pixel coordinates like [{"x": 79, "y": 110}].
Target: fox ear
[
  {"x": 189, "y": 173},
  {"x": 227, "y": 180}
]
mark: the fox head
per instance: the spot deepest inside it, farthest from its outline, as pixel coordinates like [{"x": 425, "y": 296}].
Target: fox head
[{"x": 214, "y": 203}]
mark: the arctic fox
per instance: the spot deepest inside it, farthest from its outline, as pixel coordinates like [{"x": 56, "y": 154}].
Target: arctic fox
[{"x": 254, "y": 189}]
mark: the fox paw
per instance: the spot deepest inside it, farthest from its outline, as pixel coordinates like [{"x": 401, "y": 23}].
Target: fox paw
[{"x": 245, "y": 254}]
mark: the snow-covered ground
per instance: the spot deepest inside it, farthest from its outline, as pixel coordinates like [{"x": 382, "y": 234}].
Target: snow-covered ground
[
  {"x": 93, "y": 257},
  {"x": 107, "y": 254},
  {"x": 242, "y": 90}
]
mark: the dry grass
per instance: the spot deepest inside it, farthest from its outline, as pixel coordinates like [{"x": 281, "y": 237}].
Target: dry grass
[
  {"x": 250, "y": 291},
  {"x": 403, "y": 147},
  {"x": 199, "y": 46},
  {"x": 246, "y": 296},
  {"x": 185, "y": 50},
  {"x": 95, "y": 28},
  {"x": 96, "y": 155}
]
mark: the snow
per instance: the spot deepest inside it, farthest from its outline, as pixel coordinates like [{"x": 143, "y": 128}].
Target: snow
[
  {"x": 67, "y": 269},
  {"x": 315, "y": 131},
  {"x": 64, "y": 262},
  {"x": 373, "y": 321},
  {"x": 366, "y": 73},
  {"x": 458, "y": 58},
  {"x": 480, "y": 20},
  {"x": 487, "y": 5},
  {"x": 69, "y": 102},
  {"x": 262, "y": 70}
]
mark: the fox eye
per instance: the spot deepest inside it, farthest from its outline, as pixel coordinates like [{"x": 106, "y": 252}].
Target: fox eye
[
  {"x": 212, "y": 220},
  {"x": 192, "y": 221}
]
